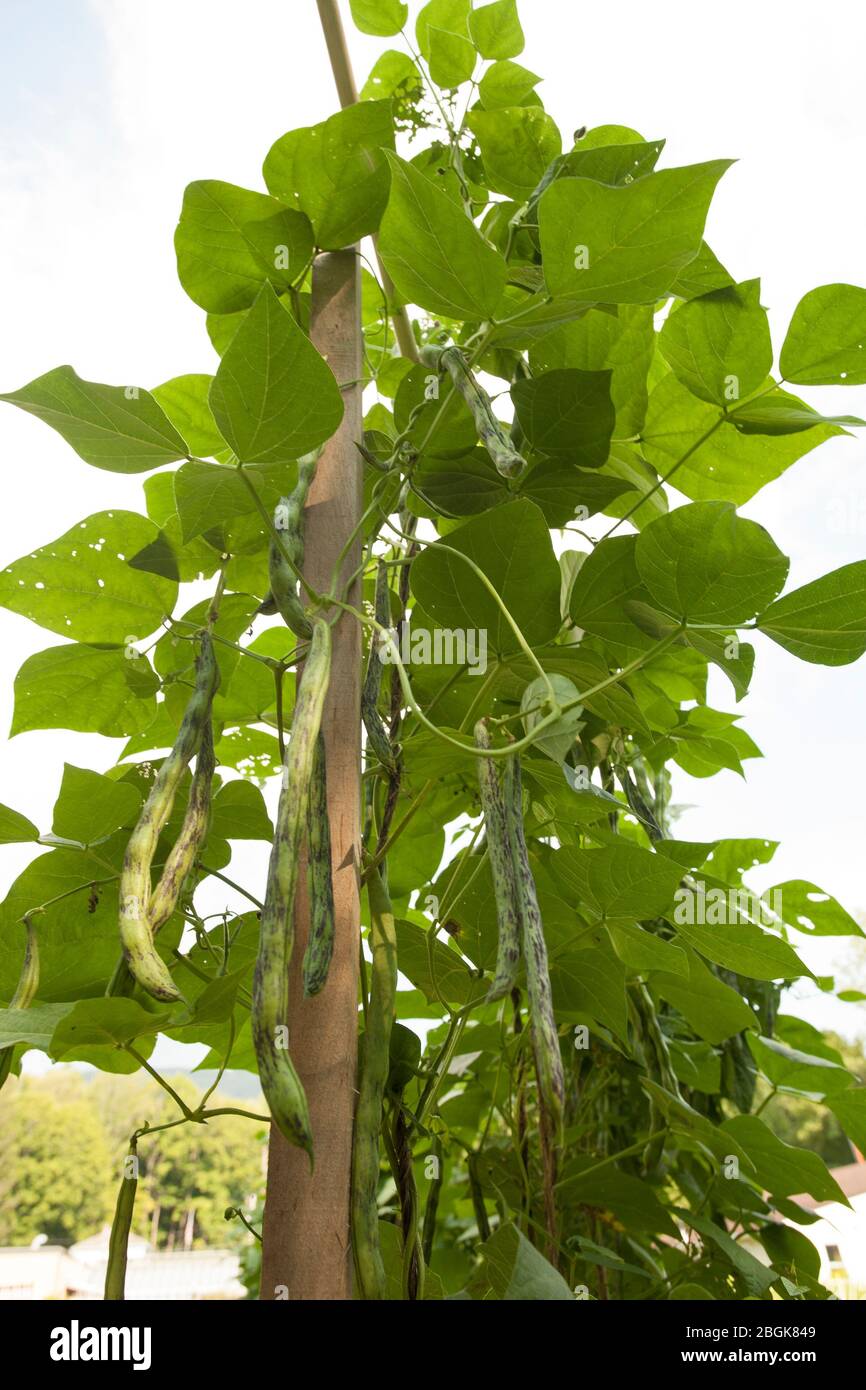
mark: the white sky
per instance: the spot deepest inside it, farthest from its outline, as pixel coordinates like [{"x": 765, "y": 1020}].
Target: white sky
[{"x": 108, "y": 108}]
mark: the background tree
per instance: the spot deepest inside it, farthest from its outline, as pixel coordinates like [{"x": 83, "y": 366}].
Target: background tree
[{"x": 55, "y": 1165}]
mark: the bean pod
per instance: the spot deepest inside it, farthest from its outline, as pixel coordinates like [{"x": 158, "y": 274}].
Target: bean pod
[
  {"x": 280, "y": 1082},
  {"x": 502, "y": 870},
  {"x": 289, "y": 520},
  {"x": 320, "y": 886},
  {"x": 543, "y": 1030},
  {"x": 367, "y": 1254},
  {"x": 377, "y": 735},
  {"x": 118, "y": 1244},
  {"x": 506, "y": 459},
  {"x": 25, "y": 991},
  {"x": 193, "y": 833},
  {"x": 136, "y": 935}
]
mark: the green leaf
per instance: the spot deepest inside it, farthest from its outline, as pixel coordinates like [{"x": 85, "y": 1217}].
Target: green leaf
[
  {"x": 825, "y": 621},
  {"x": 434, "y": 253},
  {"x": 119, "y": 428},
  {"x": 797, "y": 1072},
  {"x": 567, "y": 414},
  {"x": 208, "y": 495},
  {"x": 719, "y": 343},
  {"x": 754, "y": 1273},
  {"x": 618, "y": 883},
  {"x": 507, "y": 84},
  {"x": 336, "y": 172},
  {"x": 273, "y": 397},
  {"x": 850, "y": 1110},
  {"x": 239, "y": 813},
  {"x": 728, "y": 466},
  {"x": 216, "y": 1003},
  {"x": 158, "y": 557},
  {"x": 16, "y": 829},
  {"x": 624, "y": 245},
  {"x": 790, "y": 1250},
  {"x": 496, "y": 30},
  {"x": 600, "y": 340},
  {"x": 712, "y": 1009},
  {"x": 230, "y": 240},
  {"x": 705, "y": 564},
  {"x": 735, "y": 658},
  {"x": 744, "y": 948},
  {"x": 826, "y": 340},
  {"x": 380, "y": 17},
  {"x": 185, "y": 401},
  {"x": 82, "y": 586},
  {"x": 697, "y": 1065},
  {"x": 780, "y": 413},
  {"x": 606, "y": 582},
  {"x": 615, "y": 164},
  {"x": 34, "y": 1026},
  {"x": 565, "y": 493},
  {"x": 442, "y": 31},
  {"x": 391, "y": 72},
  {"x": 642, "y": 950},
  {"x": 78, "y": 941},
  {"x": 809, "y": 909},
  {"x": 96, "y": 690},
  {"x": 464, "y": 486},
  {"x": 195, "y": 560},
  {"x": 782, "y": 1169},
  {"x": 91, "y": 807},
  {"x": 559, "y": 738},
  {"x": 590, "y": 981},
  {"x": 514, "y": 1271},
  {"x": 517, "y": 144},
  {"x": 601, "y": 136},
  {"x": 626, "y": 463},
  {"x": 511, "y": 545},
  {"x": 703, "y": 274},
  {"x": 453, "y": 980},
  {"x": 103, "y": 1022},
  {"x": 633, "y": 1201}
]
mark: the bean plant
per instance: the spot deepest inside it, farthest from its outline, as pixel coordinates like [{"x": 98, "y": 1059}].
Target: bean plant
[{"x": 572, "y": 1020}]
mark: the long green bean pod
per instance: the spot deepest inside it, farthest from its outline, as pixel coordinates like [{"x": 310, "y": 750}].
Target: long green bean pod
[
  {"x": 320, "y": 884},
  {"x": 148, "y": 967},
  {"x": 657, "y": 1060},
  {"x": 25, "y": 990},
  {"x": 115, "y": 1273},
  {"x": 377, "y": 735},
  {"x": 193, "y": 833},
  {"x": 543, "y": 1031},
  {"x": 502, "y": 869},
  {"x": 289, "y": 519},
  {"x": 280, "y": 1082},
  {"x": 431, "y": 1208},
  {"x": 506, "y": 459},
  {"x": 367, "y": 1254}
]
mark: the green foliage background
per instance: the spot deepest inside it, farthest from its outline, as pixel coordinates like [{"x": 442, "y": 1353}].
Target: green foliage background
[{"x": 636, "y": 379}]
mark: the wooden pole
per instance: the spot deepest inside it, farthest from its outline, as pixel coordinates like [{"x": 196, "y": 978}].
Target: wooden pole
[{"x": 305, "y": 1238}]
